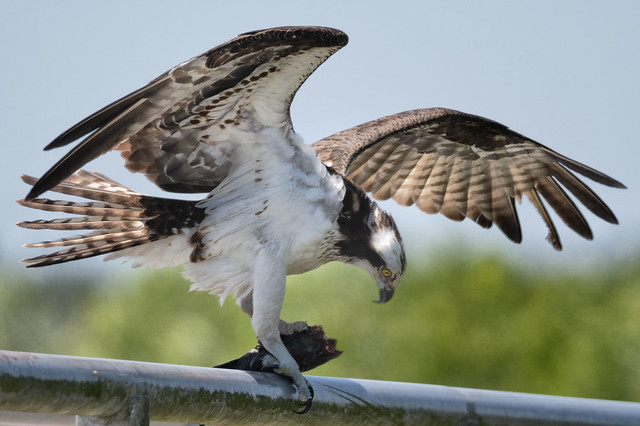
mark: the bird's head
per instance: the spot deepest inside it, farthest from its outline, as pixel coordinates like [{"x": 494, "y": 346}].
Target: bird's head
[{"x": 371, "y": 241}]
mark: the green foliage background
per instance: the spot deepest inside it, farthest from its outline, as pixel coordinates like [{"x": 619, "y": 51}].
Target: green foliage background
[{"x": 461, "y": 321}]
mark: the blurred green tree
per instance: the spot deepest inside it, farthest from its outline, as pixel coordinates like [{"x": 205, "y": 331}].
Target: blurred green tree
[{"x": 462, "y": 321}]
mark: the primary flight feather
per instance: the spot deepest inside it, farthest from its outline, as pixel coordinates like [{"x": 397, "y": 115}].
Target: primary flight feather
[{"x": 219, "y": 124}]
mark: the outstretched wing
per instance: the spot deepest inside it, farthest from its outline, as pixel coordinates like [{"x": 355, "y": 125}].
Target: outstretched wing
[
  {"x": 462, "y": 165},
  {"x": 175, "y": 130}
]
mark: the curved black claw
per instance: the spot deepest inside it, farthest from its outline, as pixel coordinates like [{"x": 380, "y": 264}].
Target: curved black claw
[
  {"x": 307, "y": 405},
  {"x": 269, "y": 368}
]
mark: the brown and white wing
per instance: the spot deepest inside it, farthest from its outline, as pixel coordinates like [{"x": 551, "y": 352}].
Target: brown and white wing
[
  {"x": 462, "y": 165},
  {"x": 173, "y": 129}
]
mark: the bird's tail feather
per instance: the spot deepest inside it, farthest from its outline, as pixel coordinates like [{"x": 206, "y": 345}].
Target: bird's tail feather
[{"x": 118, "y": 218}]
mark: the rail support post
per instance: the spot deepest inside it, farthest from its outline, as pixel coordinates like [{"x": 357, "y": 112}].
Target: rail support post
[{"x": 136, "y": 415}]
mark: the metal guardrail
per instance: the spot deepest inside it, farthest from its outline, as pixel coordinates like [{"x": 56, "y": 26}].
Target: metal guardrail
[{"x": 105, "y": 392}]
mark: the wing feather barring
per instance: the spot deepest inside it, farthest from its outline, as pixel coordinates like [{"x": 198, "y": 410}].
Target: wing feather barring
[{"x": 219, "y": 124}]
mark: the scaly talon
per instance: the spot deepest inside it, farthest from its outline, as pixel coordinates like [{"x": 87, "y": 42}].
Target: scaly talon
[
  {"x": 269, "y": 364},
  {"x": 307, "y": 405},
  {"x": 290, "y": 328}
]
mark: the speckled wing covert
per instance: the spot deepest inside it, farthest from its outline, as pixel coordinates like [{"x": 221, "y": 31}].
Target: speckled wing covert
[
  {"x": 463, "y": 165},
  {"x": 174, "y": 129}
]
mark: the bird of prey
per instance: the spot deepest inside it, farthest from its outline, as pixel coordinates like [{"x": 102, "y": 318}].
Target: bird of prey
[{"x": 219, "y": 124}]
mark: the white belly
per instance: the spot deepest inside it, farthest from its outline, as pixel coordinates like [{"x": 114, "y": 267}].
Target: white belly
[{"x": 282, "y": 196}]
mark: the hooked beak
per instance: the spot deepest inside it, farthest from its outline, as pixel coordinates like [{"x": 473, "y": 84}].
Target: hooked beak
[{"x": 386, "y": 292}]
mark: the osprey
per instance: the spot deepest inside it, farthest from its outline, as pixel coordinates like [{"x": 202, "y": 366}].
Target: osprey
[{"x": 219, "y": 124}]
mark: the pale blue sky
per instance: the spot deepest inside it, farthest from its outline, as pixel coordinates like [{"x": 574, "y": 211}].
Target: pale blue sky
[{"x": 564, "y": 73}]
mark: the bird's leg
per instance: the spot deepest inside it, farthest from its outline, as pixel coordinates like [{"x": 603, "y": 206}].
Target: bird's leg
[
  {"x": 285, "y": 328},
  {"x": 269, "y": 362},
  {"x": 269, "y": 284}
]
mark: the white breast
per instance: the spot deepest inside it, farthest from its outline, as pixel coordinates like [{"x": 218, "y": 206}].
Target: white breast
[{"x": 279, "y": 193}]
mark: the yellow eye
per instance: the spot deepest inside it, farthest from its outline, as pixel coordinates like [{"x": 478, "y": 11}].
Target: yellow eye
[{"x": 385, "y": 272}]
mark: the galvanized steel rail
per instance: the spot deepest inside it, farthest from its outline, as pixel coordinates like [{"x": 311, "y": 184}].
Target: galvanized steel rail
[{"x": 105, "y": 391}]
